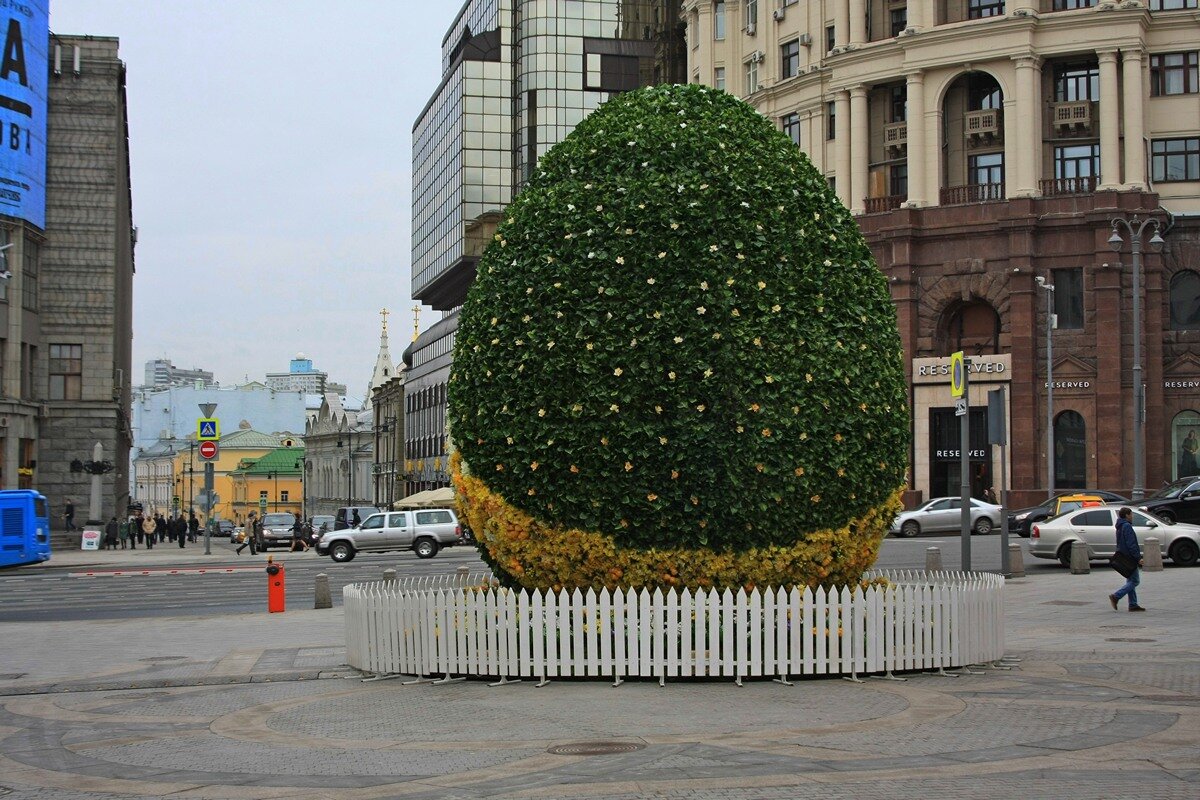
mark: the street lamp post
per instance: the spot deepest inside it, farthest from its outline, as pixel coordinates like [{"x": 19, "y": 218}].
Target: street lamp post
[
  {"x": 1135, "y": 228},
  {"x": 1051, "y": 323},
  {"x": 191, "y": 494}
]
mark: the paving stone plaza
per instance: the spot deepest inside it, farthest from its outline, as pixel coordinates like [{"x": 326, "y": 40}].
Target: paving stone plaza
[{"x": 1100, "y": 704}]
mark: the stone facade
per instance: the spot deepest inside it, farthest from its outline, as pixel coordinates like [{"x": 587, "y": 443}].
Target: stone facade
[
  {"x": 75, "y": 281},
  {"x": 337, "y": 441}
]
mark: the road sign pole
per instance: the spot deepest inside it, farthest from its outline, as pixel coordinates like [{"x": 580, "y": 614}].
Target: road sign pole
[
  {"x": 964, "y": 452},
  {"x": 208, "y": 498}
]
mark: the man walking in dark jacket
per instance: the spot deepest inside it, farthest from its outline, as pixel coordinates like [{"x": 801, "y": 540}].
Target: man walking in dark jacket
[{"x": 1127, "y": 543}]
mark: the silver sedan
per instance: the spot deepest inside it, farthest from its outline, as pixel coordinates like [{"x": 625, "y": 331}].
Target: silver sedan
[
  {"x": 945, "y": 514},
  {"x": 1097, "y": 527}
]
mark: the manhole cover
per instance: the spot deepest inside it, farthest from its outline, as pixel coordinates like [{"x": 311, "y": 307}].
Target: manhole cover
[
  {"x": 594, "y": 748},
  {"x": 1129, "y": 639},
  {"x": 1068, "y": 603},
  {"x": 152, "y": 659}
]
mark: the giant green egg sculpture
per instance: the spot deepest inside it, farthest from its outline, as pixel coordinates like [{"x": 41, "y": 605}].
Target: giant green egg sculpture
[{"x": 679, "y": 363}]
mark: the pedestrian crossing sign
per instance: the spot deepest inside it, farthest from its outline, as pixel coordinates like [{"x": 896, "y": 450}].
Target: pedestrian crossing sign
[{"x": 208, "y": 429}]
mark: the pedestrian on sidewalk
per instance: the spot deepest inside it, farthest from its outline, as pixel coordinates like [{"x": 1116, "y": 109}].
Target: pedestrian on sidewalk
[
  {"x": 160, "y": 527},
  {"x": 193, "y": 527},
  {"x": 110, "y": 534},
  {"x": 123, "y": 532},
  {"x": 69, "y": 516},
  {"x": 248, "y": 536},
  {"x": 147, "y": 527},
  {"x": 1127, "y": 543},
  {"x": 181, "y": 531}
]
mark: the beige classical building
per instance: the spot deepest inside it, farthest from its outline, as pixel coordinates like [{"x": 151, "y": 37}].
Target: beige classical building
[{"x": 984, "y": 144}]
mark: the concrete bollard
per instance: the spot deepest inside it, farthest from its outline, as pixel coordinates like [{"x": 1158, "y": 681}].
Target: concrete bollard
[
  {"x": 389, "y": 575},
  {"x": 323, "y": 598},
  {"x": 462, "y": 574},
  {"x": 1152, "y": 555},
  {"x": 1016, "y": 561},
  {"x": 1080, "y": 563},
  {"x": 933, "y": 559}
]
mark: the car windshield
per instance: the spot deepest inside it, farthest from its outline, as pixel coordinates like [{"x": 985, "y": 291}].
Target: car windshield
[
  {"x": 1171, "y": 490},
  {"x": 278, "y": 520}
]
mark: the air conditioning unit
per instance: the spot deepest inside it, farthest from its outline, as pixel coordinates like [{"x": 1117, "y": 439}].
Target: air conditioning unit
[
  {"x": 751, "y": 28},
  {"x": 756, "y": 57},
  {"x": 779, "y": 14},
  {"x": 806, "y": 40}
]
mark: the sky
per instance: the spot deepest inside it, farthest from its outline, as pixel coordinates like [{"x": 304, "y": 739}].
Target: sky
[{"x": 271, "y": 154}]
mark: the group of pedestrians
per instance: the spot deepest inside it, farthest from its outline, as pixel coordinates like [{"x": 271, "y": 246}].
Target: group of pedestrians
[{"x": 148, "y": 530}]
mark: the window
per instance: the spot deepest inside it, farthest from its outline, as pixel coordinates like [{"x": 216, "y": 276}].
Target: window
[
  {"x": 1073, "y": 82},
  {"x": 1077, "y": 161},
  {"x": 373, "y": 522},
  {"x": 1174, "y": 73},
  {"x": 789, "y": 59},
  {"x": 751, "y": 77},
  {"x": 1070, "y": 5},
  {"x": 434, "y": 518},
  {"x": 899, "y": 104},
  {"x": 1101, "y": 518},
  {"x": 1185, "y": 444},
  {"x": 1185, "y": 301},
  {"x": 66, "y": 371},
  {"x": 1070, "y": 451},
  {"x": 987, "y": 169},
  {"x": 983, "y": 92},
  {"x": 830, "y": 120},
  {"x": 898, "y": 18},
  {"x": 1172, "y": 5},
  {"x": 719, "y": 20},
  {"x": 791, "y": 126},
  {"x": 283, "y": 496},
  {"x": 830, "y": 38},
  {"x": 978, "y": 9},
  {"x": 719, "y": 78},
  {"x": 399, "y": 520},
  {"x": 262, "y": 495},
  {"x": 1068, "y": 297},
  {"x": 751, "y": 12},
  {"x": 29, "y": 284},
  {"x": 1175, "y": 159},
  {"x": 898, "y": 180}
]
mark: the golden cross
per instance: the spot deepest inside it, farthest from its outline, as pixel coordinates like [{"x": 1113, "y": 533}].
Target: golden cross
[
  {"x": 416, "y": 322},
  {"x": 384, "y": 313}
]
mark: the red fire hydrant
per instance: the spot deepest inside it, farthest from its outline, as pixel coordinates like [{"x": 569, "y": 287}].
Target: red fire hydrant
[{"x": 276, "y": 577}]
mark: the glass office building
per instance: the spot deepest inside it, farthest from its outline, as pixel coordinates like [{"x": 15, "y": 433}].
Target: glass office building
[{"x": 517, "y": 77}]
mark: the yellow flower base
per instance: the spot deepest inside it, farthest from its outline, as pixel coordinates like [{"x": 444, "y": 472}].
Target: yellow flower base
[{"x": 537, "y": 555}]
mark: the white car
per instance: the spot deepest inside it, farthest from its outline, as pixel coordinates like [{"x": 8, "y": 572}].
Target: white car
[
  {"x": 945, "y": 514},
  {"x": 1097, "y": 526}
]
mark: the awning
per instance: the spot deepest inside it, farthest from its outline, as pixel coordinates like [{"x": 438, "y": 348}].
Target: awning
[{"x": 430, "y": 498}]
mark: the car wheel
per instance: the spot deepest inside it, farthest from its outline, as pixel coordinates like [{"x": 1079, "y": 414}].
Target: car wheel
[
  {"x": 1185, "y": 553},
  {"x": 1064, "y": 555},
  {"x": 983, "y": 526},
  {"x": 341, "y": 552},
  {"x": 425, "y": 548},
  {"x": 1166, "y": 516},
  {"x": 910, "y": 529}
]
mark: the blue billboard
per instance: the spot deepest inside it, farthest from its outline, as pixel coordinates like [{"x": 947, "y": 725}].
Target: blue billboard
[{"x": 24, "y": 71}]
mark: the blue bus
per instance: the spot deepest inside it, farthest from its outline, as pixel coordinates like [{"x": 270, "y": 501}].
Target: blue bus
[{"x": 24, "y": 527}]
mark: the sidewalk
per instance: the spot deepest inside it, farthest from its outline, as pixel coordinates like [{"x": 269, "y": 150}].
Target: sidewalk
[
  {"x": 1102, "y": 704},
  {"x": 167, "y": 552}
]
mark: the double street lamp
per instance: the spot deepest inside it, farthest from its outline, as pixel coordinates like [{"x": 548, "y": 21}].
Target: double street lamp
[{"x": 1134, "y": 229}]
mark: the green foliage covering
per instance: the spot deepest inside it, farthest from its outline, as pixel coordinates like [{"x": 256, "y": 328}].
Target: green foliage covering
[{"x": 680, "y": 338}]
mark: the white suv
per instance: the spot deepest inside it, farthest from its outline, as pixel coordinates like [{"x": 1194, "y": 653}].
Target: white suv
[{"x": 424, "y": 531}]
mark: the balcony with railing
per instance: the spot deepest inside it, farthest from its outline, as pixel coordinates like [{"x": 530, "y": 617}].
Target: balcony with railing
[
  {"x": 881, "y": 205},
  {"x": 1059, "y": 187},
  {"x": 1072, "y": 117},
  {"x": 971, "y": 193},
  {"x": 983, "y": 124},
  {"x": 895, "y": 136}
]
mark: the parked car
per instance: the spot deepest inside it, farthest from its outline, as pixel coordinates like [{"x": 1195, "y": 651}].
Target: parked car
[
  {"x": 1020, "y": 520},
  {"x": 344, "y": 518},
  {"x": 277, "y": 530},
  {"x": 945, "y": 514},
  {"x": 323, "y": 522},
  {"x": 1098, "y": 528},
  {"x": 424, "y": 531},
  {"x": 1176, "y": 502},
  {"x": 224, "y": 527}
]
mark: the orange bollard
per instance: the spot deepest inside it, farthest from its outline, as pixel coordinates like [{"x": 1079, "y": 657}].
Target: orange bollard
[{"x": 276, "y": 576}]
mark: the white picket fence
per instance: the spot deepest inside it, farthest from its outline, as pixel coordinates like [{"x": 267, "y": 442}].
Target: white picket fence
[{"x": 441, "y": 627}]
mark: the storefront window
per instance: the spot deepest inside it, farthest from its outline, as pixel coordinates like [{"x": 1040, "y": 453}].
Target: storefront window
[
  {"x": 945, "y": 462},
  {"x": 1070, "y": 451},
  {"x": 1185, "y": 444}
]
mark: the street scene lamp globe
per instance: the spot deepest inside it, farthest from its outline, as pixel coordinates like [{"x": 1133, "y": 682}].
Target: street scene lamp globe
[{"x": 679, "y": 363}]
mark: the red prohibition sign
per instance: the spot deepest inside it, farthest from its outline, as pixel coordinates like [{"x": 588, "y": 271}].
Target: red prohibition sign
[{"x": 208, "y": 450}]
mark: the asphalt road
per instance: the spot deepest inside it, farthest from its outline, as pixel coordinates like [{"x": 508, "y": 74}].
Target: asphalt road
[{"x": 71, "y": 593}]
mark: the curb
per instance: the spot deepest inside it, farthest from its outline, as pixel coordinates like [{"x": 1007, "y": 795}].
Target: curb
[{"x": 176, "y": 683}]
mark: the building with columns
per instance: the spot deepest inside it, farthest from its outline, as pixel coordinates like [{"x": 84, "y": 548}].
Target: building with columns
[{"x": 984, "y": 144}]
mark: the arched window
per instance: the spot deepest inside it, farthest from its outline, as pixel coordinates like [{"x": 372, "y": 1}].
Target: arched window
[
  {"x": 1185, "y": 301},
  {"x": 1185, "y": 445},
  {"x": 1070, "y": 451},
  {"x": 973, "y": 328}
]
